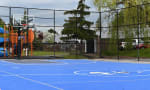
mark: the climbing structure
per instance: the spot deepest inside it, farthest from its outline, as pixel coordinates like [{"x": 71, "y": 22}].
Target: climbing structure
[
  {"x": 3, "y": 40},
  {"x": 11, "y": 41}
]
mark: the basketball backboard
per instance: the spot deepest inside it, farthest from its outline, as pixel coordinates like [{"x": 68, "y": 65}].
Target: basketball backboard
[{"x": 20, "y": 20}]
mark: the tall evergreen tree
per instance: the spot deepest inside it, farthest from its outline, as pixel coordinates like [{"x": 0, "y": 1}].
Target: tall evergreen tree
[{"x": 77, "y": 27}]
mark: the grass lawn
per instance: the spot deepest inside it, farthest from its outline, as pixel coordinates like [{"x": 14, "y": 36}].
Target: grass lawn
[
  {"x": 49, "y": 53},
  {"x": 66, "y": 55},
  {"x": 145, "y": 53},
  {"x": 133, "y": 53}
]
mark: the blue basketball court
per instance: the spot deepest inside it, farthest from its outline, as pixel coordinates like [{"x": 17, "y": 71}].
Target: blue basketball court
[{"x": 74, "y": 75}]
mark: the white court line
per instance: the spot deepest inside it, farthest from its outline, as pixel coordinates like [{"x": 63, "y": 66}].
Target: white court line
[
  {"x": 35, "y": 81},
  {"x": 62, "y": 63},
  {"x": 23, "y": 64},
  {"x": 110, "y": 76},
  {"x": 47, "y": 74},
  {"x": 41, "y": 75},
  {"x": 7, "y": 63}
]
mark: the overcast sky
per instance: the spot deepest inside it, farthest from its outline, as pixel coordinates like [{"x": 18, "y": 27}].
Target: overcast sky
[
  {"x": 50, "y": 4},
  {"x": 53, "y": 4}
]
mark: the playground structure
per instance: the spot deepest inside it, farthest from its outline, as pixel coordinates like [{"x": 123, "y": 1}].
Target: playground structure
[
  {"x": 3, "y": 50},
  {"x": 15, "y": 42},
  {"x": 19, "y": 29}
]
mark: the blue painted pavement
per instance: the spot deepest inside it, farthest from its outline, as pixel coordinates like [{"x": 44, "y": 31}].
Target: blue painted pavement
[{"x": 74, "y": 75}]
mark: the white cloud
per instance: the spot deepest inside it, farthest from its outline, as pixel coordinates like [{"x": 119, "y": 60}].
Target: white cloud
[
  {"x": 54, "y": 4},
  {"x": 44, "y": 1},
  {"x": 36, "y": 2}
]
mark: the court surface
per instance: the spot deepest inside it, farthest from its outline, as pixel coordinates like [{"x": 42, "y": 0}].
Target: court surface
[{"x": 74, "y": 75}]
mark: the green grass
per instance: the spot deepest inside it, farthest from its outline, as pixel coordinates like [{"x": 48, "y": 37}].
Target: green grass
[
  {"x": 145, "y": 53},
  {"x": 129, "y": 53},
  {"x": 66, "y": 55},
  {"x": 133, "y": 53},
  {"x": 49, "y": 53}
]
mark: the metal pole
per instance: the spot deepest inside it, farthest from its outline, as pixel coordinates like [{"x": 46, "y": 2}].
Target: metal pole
[
  {"x": 76, "y": 35},
  {"x": 10, "y": 19},
  {"x": 118, "y": 36},
  {"x": 100, "y": 34},
  {"x": 27, "y": 45},
  {"x": 54, "y": 31},
  {"x": 10, "y": 24},
  {"x": 19, "y": 44},
  {"x": 138, "y": 30}
]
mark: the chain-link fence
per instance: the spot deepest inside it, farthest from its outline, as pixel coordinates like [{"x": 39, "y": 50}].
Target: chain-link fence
[{"x": 121, "y": 33}]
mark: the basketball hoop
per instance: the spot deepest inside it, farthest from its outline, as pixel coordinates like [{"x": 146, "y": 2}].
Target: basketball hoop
[{"x": 19, "y": 21}]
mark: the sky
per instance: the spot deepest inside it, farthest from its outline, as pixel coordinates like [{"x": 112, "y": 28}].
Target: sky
[
  {"x": 52, "y": 4},
  {"x": 46, "y": 4}
]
